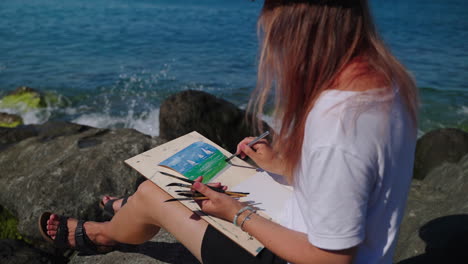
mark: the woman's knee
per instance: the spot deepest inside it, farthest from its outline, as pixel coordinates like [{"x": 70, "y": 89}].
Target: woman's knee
[{"x": 147, "y": 190}]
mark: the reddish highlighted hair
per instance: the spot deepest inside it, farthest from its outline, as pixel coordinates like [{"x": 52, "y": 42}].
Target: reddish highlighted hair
[{"x": 305, "y": 48}]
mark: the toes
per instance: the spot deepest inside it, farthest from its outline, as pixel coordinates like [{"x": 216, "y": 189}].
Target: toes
[
  {"x": 52, "y": 226},
  {"x": 107, "y": 198},
  {"x": 53, "y": 222},
  {"x": 54, "y": 217}
]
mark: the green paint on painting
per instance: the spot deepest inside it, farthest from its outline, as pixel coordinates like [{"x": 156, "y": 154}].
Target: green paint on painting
[{"x": 209, "y": 168}]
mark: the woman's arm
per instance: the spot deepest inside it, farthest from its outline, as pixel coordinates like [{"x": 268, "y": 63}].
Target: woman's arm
[{"x": 290, "y": 245}]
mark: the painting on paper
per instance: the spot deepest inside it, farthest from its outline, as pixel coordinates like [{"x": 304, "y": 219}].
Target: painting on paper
[{"x": 198, "y": 159}]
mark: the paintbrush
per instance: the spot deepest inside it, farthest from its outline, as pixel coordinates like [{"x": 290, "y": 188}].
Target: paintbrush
[
  {"x": 198, "y": 193},
  {"x": 214, "y": 188},
  {"x": 251, "y": 144},
  {"x": 190, "y": 181},
  {"x": 196, "y": 198},
  {"x": 187, "y": 199}
]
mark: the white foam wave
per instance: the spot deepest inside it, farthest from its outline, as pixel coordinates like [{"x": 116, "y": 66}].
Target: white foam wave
[
  {"x": 37, "y": 116},
  {"x": 463, "y": 110},
  {"x": 147, "y": 123}
]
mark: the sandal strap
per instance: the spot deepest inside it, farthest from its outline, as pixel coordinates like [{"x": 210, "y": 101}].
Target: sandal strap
[
  {"x": 61, "y": 237},
  {"x": 108, "y": 207},
  {"x": 124, "y": 201},
  {"x": 83, "y": 243}
]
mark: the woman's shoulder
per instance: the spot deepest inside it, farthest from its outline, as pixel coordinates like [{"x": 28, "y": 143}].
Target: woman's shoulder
[{"x": 360, "y": 76}]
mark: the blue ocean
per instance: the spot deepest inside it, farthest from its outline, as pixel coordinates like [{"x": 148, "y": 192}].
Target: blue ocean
[{"x": 112, "y": 62}]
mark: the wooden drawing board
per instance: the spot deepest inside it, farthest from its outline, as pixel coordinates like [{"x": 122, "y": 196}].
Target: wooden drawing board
[{"x": 147, "y": 162}]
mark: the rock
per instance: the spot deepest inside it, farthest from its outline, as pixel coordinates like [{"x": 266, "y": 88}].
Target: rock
[
  {"x": 217, "y": 119},
  {"x": 45, "y": 132},
  {"x": 66, "y": 168},
  {"x": 9, "y": 120},
  {"x": 19, "y": 252},
  {"x": 437, "y": 147},
  {"x": 163, "y": 248},
  {"x": 23, "y": 98},
  {"x": 435, "y": 225}
]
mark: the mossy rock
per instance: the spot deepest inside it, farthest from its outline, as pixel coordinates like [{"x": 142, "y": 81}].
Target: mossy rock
[
  {"x": 9, "y": 120},
  {"x": 464, "y": 127},
  {"x": 23, "y": 98},
  {"x": 8, "y": 225}
]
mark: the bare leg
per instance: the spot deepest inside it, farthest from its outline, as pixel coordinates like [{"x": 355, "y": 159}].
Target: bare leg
[{"x": 141, "y": 218}]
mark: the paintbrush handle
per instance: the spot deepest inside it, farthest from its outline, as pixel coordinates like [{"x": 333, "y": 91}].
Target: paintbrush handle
[
  {"x": 196, "y": 198},
  {"x": 186, "y": 199},
  {"x": 197, "y": 194},
  {"x": 192, "y": 182}
]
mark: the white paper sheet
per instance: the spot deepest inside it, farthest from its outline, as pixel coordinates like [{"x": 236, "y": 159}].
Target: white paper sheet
[{"x": 263, "y": 189}]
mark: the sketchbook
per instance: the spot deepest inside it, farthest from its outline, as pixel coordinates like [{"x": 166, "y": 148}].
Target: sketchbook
[{"x": 193, "y": 155}]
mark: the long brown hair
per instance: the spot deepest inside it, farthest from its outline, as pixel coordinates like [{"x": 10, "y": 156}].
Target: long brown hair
[{"x": 305, "y": 46}]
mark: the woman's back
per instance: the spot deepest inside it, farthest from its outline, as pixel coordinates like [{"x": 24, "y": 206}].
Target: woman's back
[{"x": 354, "y": 174}]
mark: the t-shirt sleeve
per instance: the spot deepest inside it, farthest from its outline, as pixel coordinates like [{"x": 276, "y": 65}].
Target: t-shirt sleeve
[{"x": 333, "y": 197}]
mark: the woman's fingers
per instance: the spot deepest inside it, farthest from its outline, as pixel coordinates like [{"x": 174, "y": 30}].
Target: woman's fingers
[
  {"x": 199, "y": 179},
  {"x": 249, "y": 152},
  {"x": 258, "y": 145},
  {"x": 203, "y": 189},
  {"x": 215, "y": 184},
  {"x": 245, "y": 141}
]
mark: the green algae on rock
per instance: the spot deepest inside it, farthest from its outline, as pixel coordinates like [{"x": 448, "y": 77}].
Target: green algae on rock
[
  {"x": 8, "y": 225},
  {"x": 24, "y": 98},
  {"x": 9, "y": 120}
]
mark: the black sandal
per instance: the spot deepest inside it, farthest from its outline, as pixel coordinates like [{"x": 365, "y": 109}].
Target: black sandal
[
  {"x": 82, "y": 241},
  {"x": 108, "y": 207}
]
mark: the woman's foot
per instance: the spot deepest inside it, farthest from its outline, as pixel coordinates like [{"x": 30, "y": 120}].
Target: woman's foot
[
  {"x": 91, "y": 233},
  {"x": 113, "y": 204}
]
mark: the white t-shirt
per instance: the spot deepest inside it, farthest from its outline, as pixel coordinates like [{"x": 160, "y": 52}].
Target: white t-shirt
[{"x": 353, "y": 178}]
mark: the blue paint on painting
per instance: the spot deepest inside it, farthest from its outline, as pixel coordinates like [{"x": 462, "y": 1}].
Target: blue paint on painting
[{"x": 193, "y": 158}]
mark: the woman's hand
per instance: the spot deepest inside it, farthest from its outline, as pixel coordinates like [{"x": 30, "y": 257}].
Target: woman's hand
[
  {"x": 263, "y": 154},
  {"x": 219, "y": 204}
]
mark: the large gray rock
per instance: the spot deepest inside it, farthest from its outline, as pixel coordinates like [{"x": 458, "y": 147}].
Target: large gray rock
[
  {"x": 435, "y": 226},
  {"x": 46, "y": 132},
  {"x": 437, "y": 147},
  {"x": 66, "y": 168},
  {"x": 215, "y": 118},
  {"x": 18, "y": 252}
]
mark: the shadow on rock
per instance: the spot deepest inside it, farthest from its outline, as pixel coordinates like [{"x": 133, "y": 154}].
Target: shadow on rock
[
  {"x": 446, "y": 241},
  {"x": 163, "y": 251}
]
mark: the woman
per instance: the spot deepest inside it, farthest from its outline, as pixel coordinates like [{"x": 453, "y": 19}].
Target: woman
[{"x": 347, "y": 111}]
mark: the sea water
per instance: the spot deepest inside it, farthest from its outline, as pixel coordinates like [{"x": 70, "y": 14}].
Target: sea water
[{"x": 112, "y": 62}]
